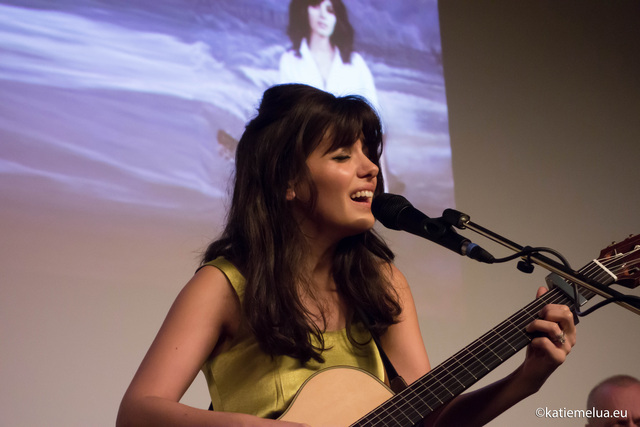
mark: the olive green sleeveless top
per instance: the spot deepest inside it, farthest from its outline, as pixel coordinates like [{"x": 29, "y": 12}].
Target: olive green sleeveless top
[{"x": 247, "y": 380}]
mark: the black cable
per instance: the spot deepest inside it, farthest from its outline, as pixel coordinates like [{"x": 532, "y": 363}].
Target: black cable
[
  {"x": 528, "y": 251},
  {"x": 625, "y": 298}
]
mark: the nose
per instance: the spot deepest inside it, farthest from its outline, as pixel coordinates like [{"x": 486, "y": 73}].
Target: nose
[{"x": 367, "y": 168}]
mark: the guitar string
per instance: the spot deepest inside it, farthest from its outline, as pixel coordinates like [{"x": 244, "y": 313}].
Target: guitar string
[{"x": 499, "y": 341}]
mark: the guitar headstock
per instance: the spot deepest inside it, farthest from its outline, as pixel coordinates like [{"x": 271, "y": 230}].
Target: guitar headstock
[{"x": 626, "y": 256}]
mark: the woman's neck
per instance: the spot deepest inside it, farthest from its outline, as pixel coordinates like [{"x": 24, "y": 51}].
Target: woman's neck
[
  {"x": 319, "y": 294},
  {"x": 320, "y": 44},
  {"x": 323, "y": 54},
  {"x": 319, "y": 263}
]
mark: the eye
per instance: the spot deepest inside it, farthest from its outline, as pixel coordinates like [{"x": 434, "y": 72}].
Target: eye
[
  {"x": 341, "y": 157},
  {"x": 341, "y": 154}
]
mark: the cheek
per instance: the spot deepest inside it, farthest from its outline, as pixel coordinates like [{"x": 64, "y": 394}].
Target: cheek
[
  {"x": 331, "y": 196},
  {"x": 334, "y": 181},
  {"x": 312, "y": 14},
  {"x": 327, "y": 189}
]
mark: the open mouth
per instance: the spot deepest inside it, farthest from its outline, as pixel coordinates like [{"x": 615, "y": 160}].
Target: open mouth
[{"x": 362, "y": 196}]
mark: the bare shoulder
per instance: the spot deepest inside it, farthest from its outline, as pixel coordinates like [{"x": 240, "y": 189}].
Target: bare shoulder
[
  {"x": 400, "y": 284},
  {"x": 398, "y": 280},
  {"x": 196, "y": 324},
  {"x": 202, "y": 315},
  {"x": 210, "y": 293},
  {"x": 211, "y": 280}
]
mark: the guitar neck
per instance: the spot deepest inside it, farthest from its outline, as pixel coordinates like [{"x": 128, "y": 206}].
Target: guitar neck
[{"x": 463, "y": 369}]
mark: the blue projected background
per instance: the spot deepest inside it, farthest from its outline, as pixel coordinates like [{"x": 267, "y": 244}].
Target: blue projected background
[{"x": 135, "y": 102}]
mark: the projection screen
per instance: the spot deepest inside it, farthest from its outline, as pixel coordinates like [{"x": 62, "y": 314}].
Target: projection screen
[{"x": 118, "y": 123}]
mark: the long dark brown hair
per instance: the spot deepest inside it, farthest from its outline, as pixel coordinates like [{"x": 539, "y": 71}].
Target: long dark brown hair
[
  {"x": 262, "y": 238},
  {"x": 299, "y": 28}
]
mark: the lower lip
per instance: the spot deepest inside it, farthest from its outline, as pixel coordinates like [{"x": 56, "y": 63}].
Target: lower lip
[{"x": 366, "y": 202}]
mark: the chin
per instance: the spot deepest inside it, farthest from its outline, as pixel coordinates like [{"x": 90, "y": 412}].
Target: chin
[{"x": 362, "y": 225}]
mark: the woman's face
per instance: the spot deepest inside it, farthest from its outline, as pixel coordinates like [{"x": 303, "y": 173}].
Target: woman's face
[
  {"x": 345, "y": 180},
  {"x": 322, "y": 19}
]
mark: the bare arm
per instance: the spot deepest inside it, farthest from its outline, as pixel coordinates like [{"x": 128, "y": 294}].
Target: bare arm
[{"x": 205, "y": 311}]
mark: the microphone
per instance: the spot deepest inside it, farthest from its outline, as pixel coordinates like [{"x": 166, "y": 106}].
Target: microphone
[{"x": 395, "y": 212}]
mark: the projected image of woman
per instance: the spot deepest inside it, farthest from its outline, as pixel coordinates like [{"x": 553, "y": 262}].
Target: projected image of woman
[{"x": 322, "y": 51}]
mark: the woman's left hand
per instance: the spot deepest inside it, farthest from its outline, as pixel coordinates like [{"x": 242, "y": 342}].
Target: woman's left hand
[{"x": 548, "y": 351}]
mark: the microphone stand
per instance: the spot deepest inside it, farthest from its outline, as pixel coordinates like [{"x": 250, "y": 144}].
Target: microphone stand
[{"x": 461, "y": 221}]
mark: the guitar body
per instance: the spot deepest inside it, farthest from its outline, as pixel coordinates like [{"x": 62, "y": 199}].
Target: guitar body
[{"x": 336, "y": 396}]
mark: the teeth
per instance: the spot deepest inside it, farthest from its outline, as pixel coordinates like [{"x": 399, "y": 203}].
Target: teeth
[{"x": 360, "y": 194}]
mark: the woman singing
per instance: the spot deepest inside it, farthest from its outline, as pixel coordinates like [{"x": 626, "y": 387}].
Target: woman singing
[{"x": 279, "y": 295}]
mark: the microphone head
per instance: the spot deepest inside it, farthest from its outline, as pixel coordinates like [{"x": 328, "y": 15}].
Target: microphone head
[{"x": 386, "y": 208}]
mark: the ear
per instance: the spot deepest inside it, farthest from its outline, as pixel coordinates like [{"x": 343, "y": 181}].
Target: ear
[{"x": 291, "y": 194}]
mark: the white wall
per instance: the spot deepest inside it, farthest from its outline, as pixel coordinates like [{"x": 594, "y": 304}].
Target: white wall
[{"x": 544, "y": 107}]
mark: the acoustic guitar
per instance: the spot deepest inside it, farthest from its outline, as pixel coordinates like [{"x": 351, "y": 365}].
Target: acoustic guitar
[{"x": 347, "y": 396}]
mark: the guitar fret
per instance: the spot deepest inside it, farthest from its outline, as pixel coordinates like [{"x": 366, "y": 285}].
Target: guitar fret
[
  {"x": 441, "y": 391},
  {"x": 455, "y": 377},
  {"x": 501, "y": 346},
  {"x": 441, "y": 386},
  {"x": 463, "y": 366},
  {"x": 490, "y": 349},
  {"x": 418, "y": 399},
  {"x": 405, "y": 418},
  {"x": 390, "y": 417},
  {"x": 390, "y": 420},
  {"x": 506, "y": 342},
  {"x": 416, "y": 408},
  {"x": 448, "y": 392},
  {"x": 479, "y": 360},
  {"x": 517, "y": 329}
]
